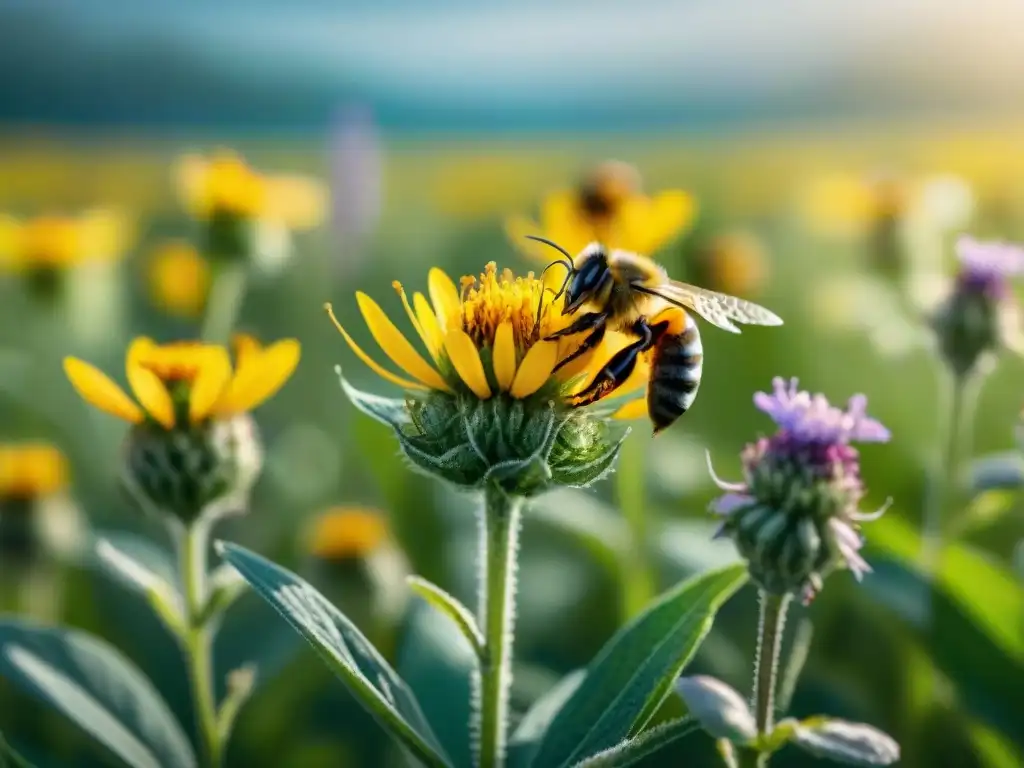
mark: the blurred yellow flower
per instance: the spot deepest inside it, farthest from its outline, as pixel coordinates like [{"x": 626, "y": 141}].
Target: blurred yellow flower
[
  {"x": 609, "y": 207},
  {"x": 53, "y": 242},
  {"x": 498, "y": 319},
  {"x": 178, "y": 278},
  {"x": 735, "y": 263},
  {"x": 346, "y": 533},
  {"x": 847, "y": 204},
  {"x": 225, "y": 185},
  {"x": 187, "y": 382},
  {"x": 31, "y": 470}
]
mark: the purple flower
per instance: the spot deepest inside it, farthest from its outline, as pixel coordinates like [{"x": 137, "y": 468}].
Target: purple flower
[
  {"x": 986, "y": 267},
  {"x": 795, "y": 516},
  {"x": 980, "y": 316}
]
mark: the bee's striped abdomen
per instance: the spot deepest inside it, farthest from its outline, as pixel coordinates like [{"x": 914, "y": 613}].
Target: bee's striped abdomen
[{"x": 675, "y": 373}]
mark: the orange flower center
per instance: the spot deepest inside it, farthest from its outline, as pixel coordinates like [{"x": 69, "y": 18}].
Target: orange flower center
[{"x": 492, "y": 299}]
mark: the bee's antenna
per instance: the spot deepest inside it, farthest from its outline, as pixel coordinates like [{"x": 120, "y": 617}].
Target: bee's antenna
[{"x": 566, "y": 262}]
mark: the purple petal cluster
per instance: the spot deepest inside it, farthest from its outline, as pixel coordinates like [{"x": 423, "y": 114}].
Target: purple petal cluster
[
  {"x": 810, "y": 419},
  {"x": 809, "y": 474},
  {"x": 987, "y": 267}
]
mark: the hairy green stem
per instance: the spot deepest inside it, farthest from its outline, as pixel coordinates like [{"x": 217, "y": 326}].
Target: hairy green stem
[
  {"x": 499, "y": 547},
  {"x": 224, "y": 302},
  {"x": 766, "y": 665},
  {"x": 638, "y": 587},
  {"x": 197, "y": 638}
]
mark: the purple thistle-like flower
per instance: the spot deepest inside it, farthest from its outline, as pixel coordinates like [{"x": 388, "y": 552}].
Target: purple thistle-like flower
[
  {"x": 980, "y": 316},
  {"x": 987, "y": 267},
  {"x": 795, "y": 516}
]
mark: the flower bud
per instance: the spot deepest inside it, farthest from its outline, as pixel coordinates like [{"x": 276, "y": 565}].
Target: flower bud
[
  {"x": 720, "y": 710},
  {"x": 193, "y": 471}
]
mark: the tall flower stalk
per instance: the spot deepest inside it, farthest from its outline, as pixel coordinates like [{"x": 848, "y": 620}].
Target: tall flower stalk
[
  {"x": 493, "y": 412},
  {"x": 192, "y": 455},
  {"x": 977, "y": 320},
  {"x": 794, "y": 519}
]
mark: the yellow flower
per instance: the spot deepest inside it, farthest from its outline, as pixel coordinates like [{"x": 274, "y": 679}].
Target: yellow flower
[
  {"x": 31, "y": 471},
  {"x": 60, "y": 242},
  {"x": 735, "y": 264},
  {"x": 608, "y": 207},
  {"x": 850, "y": 204},
  {"x": 485, "y": 339},
  {"x": 343, "y": 533},
  {"x": 178, "y": 278},
  {"x": 225, "y": 185},
  {"x": 187, "y": 382}
]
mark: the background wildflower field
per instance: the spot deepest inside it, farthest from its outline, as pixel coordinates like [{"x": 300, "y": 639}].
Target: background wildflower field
[{"x": 846, "y": 231}]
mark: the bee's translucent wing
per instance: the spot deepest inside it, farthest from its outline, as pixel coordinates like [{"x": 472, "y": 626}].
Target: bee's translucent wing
[{"x": 719, "y": 309}]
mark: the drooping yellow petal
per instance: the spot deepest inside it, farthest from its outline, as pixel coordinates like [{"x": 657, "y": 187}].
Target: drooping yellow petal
[
  {"x": 414, "y": 319},
  {"x": 97, "y": 389},
  {"x": 634, "y": 409},
  {"x": 396, "y": 346},
  {"x": 261, "y": 377},
  {"x": 466, "y": 360},
  {"x": 443, "y": 295},
  {"x": 503, "y": 356},
  {"x": 428, "y": 322},
  {"x": 150, "y": 391},
  {"x": 211, "y": 382},
  {"x": 535, "y": 369},
  {"x": 381, "y": 371}
]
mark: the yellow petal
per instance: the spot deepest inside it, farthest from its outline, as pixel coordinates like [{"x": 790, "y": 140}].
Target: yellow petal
[
  {"x": 396, "y": 346},
  {"x": 428, "y": 322},
  {"x": 10, "y": 238},
  {"x": 295, "y": 201},
  {"x": 466, "y": 360},
  {"x": 444, "y": 296},
  {"x": 147, "y": 386},
  {"x": 104, "y": 234},
  {"x": 261, "y": 377},
  {"x": 211, "y": 382},
  {"x": 563, "y": 223},
  {"x": 245, "y": 347},
  {"x": 646, "y": 224},
  {"x": 503, "y": 356},
  {"x": 381, "y": 371},
  {"x": 190, "y": 175},
  {"x": 98, "y": 390},
  {"x": 414, "y": 319},
  {"x": 535, "y": 369},
  {"x": 634, "y": 409}
]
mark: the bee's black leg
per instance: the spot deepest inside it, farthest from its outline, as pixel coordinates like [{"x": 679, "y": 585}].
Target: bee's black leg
[
  {"x": 588, "y": 344},
  {"x": 615, "y": 372},
  {"x": 586, "y": 322}
]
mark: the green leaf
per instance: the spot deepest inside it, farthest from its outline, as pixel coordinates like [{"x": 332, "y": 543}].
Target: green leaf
[
  {"x": 845, "y": 742},
  {"x": 141, "y": 567},
  {"x": 99, "y": 689},
  {"x": 635, "y": 671},
  {"x": 438, "y": 664},
  {"x": 452, "y": 608},
  {"x": 999, "y": 471},
  {"x": 9, "y": 758},
  {"x": 526, "y": 739},
  {"x": 388, "y": 410},
  {"x": 345, "y": 650},
  {"x": 647, "y": 744}
]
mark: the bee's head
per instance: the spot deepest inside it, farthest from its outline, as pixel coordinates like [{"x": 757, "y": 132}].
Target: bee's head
[{"x": 588, "y": 278}]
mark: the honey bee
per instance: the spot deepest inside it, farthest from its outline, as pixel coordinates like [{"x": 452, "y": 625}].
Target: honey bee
[{"x": 634, "y": 295}]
